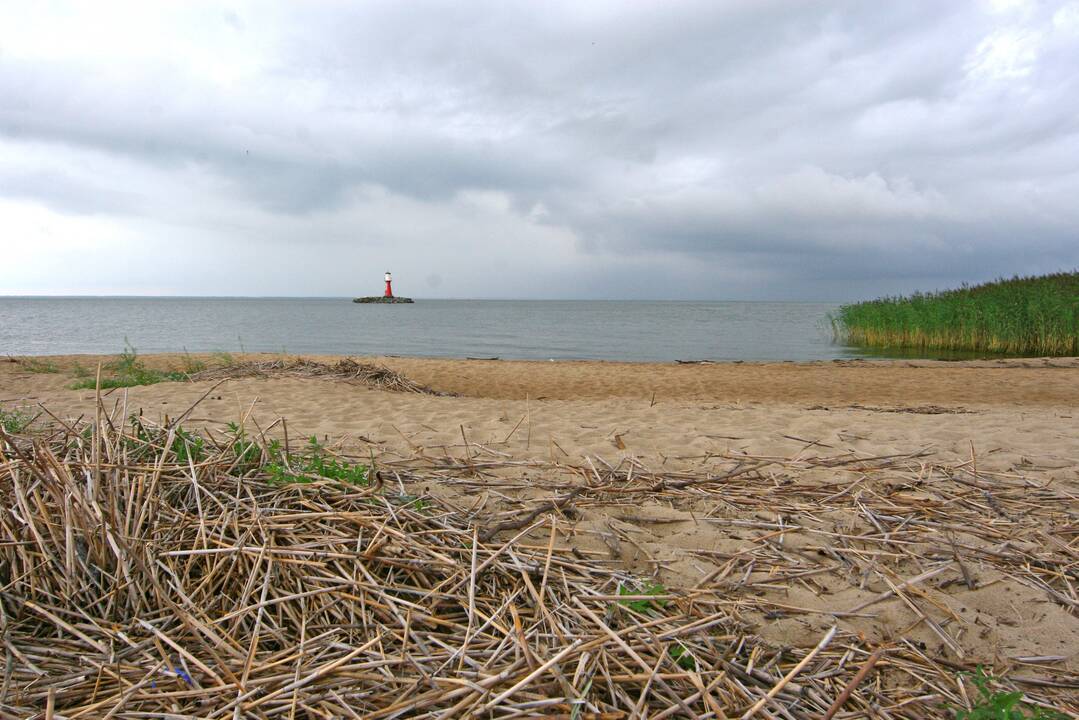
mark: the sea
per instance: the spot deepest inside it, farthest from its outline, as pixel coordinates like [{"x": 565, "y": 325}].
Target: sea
[{"x": 506, "y": 329}]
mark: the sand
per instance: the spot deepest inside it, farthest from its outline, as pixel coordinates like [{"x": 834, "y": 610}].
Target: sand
[
  {"x": 1013, "y": 421},
  {"x": 1020, "y": 412}
]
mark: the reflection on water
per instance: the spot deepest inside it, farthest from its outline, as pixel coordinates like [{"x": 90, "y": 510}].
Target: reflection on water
[{"x": 901, "y": 353}]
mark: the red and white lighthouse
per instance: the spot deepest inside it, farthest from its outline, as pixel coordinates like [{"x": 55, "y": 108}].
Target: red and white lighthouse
[{"x": 389, "y": 287}]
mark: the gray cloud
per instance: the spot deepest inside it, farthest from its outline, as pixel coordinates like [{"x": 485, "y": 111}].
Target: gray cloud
[{"x": 735, "y": 149}]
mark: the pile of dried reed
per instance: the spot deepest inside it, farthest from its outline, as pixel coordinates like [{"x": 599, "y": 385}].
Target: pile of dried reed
[
  {"x": 139, "y": 578},
  {"x": 347, "y": 370}
]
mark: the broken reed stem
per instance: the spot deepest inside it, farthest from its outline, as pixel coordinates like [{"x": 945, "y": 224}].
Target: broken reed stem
[
  {"x": 842, "y": 698},
  {"x": 790, "y": 676}
]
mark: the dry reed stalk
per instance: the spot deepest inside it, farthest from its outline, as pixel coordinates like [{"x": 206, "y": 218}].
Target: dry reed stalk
[
  {"x": 135, "y": 582},
  {"x": 347, "y": 370}
]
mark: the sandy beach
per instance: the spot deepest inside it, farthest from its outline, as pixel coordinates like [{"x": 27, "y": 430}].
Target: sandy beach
[
  {"x": 835, "y": 452},
  {"x": 1014, "y": 413}
]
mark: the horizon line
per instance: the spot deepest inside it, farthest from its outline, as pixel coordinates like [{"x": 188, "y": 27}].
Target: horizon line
[{"x": 425, "y": 299}]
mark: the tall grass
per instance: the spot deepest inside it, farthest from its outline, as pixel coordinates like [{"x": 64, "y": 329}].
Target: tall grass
[{"x": 1020, "y": 316}]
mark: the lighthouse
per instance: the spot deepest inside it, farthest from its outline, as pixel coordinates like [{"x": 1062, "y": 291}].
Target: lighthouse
[{"x": 386, "y": 298}]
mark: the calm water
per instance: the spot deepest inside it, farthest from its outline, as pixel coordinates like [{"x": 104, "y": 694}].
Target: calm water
[{"x": 508, "y": 329}]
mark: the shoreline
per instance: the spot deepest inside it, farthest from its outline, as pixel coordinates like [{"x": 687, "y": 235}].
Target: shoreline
[
  {"x": 1033, "y": 382},
  {"x": 988, "y": 362}
]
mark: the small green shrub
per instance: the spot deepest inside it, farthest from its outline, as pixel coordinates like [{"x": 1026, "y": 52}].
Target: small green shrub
[{"x": 1001, "y": 705}]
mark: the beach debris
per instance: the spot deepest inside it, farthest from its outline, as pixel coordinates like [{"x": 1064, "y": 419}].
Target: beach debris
[
  {"x": 155, "y": 571},
  {"x": 347, "y": 370}
]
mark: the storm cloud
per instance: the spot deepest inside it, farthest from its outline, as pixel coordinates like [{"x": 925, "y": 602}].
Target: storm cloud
[{"x": 731, "y": 150}]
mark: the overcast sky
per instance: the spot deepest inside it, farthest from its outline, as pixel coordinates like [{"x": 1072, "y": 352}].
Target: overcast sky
[{"x": 717, "y": 150}]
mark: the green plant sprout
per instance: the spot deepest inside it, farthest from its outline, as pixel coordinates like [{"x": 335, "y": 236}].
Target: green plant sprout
[
  {"x": 642, "y": 605},
  {"x": 1001, "y": 705}
]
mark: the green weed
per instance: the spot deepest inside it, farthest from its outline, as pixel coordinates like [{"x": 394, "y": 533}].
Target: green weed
[
  {"x": 312, "y": 464},
  {"x": 37, "y": 365},
  {"x": 1020, "y": 316},
  {"x": 186, "y": 446},
  {"x": 642, "y": 605},
  {"x": 1000, "y": 705},
  {"x": 223, "y": 359},
  {"x": 247, "y": 452},
  {"x": 190, "y": 365},
  {"x": 682, "y": 657},
  {"x": 14, "y": 421},
  {"x": 127, "y": 370},
  {"x": 417, "y": 504}
]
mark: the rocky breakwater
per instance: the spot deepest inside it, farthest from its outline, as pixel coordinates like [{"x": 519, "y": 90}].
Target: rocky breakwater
[{"x": 381, "y": 299}]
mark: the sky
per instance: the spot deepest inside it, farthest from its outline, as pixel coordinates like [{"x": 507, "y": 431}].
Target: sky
[{"x": 725, "y": 149}]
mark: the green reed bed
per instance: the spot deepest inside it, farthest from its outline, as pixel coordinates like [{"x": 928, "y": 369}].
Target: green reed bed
[{"x": 1020, "y": 316}]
